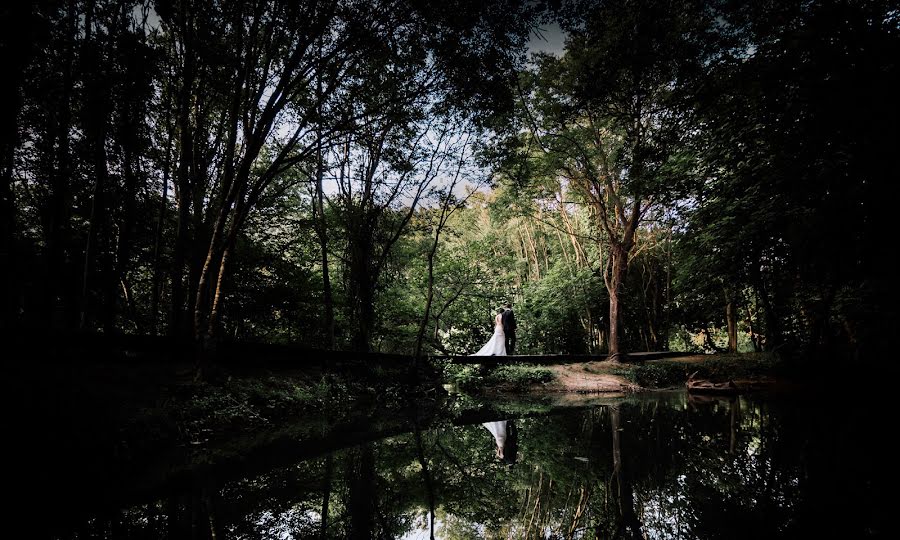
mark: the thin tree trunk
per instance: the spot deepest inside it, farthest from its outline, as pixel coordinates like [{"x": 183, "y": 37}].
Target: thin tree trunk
[
  {"x": 321, "y": 221},
  {"x": 97, "y": 217},
  {"x": 199, "y": 284},
  {"x": 129, "y": 136},
  {"x": 7, "y": 237},
  {"x": 668, "y": 307},
  {"x": 60, "y": 194},
  {"x": 217, "y": 296},
  {"x": 183, "y": 177},
  {"x": 160, "y": 221},
  {"x": 731, "y": 316},
  {"x": 429, "y": 297},
  {"x": 95, "y": 128},
  {"x": 322, "y": 230}
]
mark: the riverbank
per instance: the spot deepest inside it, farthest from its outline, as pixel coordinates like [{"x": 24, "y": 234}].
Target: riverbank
[{"x": 748, "y": 371}]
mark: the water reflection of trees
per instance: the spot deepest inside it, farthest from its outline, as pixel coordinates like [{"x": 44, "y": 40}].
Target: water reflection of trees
[{"x": 662, "y": 468}]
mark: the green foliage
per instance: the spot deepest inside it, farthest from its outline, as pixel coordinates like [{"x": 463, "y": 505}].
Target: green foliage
[
  {"x": 509, "y": 377},
  {"x": 465, "y": 376},
  {"x": 518, "y": 377},
  {"x": 247, "y": 402}
]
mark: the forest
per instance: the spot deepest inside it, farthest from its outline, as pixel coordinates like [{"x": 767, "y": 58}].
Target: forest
[{"x": 380, "y": 176}]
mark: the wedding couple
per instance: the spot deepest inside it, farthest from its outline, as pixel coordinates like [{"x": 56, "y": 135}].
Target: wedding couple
[{"x": 503, "y": 342}]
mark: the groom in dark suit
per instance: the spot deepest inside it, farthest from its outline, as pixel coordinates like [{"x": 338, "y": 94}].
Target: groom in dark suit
[{"x": 509, "y": 328}]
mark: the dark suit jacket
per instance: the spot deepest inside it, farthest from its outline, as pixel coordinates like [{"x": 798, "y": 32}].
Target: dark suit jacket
[{"x": 509, "y": 320}]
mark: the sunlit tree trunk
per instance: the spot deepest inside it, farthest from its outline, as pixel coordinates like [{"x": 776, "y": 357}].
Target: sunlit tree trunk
[
  {"x": 619, "y": 263},
  {"x": 731, "y": 317}
]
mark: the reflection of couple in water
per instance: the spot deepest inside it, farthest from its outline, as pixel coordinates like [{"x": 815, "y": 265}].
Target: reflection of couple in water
[{"x": 506, "y": 439}]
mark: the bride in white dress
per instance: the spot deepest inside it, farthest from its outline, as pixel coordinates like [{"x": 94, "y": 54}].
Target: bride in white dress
[
  {"x": 506, "y": 439},
  {"x": 496, "y": 346}
]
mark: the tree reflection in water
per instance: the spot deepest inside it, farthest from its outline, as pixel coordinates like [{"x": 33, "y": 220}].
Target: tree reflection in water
[{"x": 658, "y": 467}]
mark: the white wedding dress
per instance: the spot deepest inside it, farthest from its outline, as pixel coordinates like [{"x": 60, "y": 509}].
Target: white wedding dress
[
  {"x": 496, "y": 346},
  {"x": 498, "y": 430}
]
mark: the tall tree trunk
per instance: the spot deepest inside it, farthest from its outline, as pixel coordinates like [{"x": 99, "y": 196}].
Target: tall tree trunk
[
  {"x": 176, "y": 319},
  {"x": 429, "y": 297},
  {"x": 199, "y": 285},
  {"x": 322, "y": 230},
  {"x": 618, "y": 260},
  {"x": 96, "y": 235},
  {"x": 131, "y": 114},
  {"x": 183, "y": 177},
  {"x": 322, "y": 223}
]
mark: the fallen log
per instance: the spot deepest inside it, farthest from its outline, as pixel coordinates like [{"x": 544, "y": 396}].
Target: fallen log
[{"x": 704, "y": 386}]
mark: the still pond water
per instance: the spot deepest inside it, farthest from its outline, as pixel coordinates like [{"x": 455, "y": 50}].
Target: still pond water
[{"x": 655, "y": 466}]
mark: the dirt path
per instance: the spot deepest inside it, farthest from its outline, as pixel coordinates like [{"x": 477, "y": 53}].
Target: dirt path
[{"x": 587, "y": 377}]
